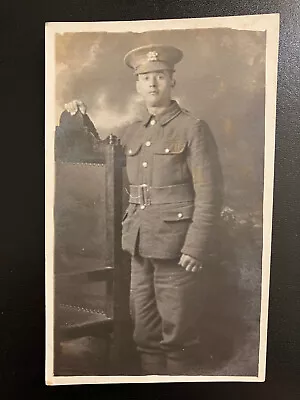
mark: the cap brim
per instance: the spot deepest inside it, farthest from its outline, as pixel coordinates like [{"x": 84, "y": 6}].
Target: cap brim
[{"x": 153, "y": 66}]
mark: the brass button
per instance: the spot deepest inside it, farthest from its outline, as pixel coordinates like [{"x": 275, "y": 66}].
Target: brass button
[
  {"x": 145, "y": 164},
  {"x": 167, "y": 150},
  {"x": 179, "y": 215},
  {"x": 152, "y": 122},
  {"x": 148, "y": 143},
  {"x": 143, "y": 207},
  {"x": 129, "y": 151}
]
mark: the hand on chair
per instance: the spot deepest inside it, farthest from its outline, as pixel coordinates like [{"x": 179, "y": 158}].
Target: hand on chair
[{"x": 73, "y": 106}]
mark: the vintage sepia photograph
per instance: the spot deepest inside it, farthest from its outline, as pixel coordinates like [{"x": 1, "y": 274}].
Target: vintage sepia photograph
[{"x": 160, "y": 139}]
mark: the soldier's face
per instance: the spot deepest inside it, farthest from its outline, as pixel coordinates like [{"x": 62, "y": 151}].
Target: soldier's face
[{"x": 155, "y": 88}]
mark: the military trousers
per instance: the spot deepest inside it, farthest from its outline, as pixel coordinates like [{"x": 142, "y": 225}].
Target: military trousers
[{"x": 165, "y": 306}]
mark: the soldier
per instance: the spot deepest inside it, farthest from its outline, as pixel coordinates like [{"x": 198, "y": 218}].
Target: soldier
[
  {"x": 175, "y": 200},
  {"x": 174, "y": 204}
]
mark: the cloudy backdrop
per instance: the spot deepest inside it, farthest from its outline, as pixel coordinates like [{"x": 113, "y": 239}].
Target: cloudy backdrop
[{"x": 220, "y": 79}]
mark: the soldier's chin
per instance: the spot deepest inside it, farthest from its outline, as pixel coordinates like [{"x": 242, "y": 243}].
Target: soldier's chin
[{"x": 153, "y": 101}]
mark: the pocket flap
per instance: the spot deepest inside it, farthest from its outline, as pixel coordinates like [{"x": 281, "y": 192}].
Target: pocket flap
[
  {"x": 133, "y": 149},
  {"x": 171, "y": 148},
  {"x": 179, "y": 214}
]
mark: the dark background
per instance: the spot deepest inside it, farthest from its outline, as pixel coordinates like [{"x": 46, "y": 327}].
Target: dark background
[{"x": 22, "y": 272}]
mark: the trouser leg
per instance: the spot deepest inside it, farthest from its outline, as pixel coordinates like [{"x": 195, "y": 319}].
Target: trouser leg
[
  {"x": 147, "y": 321},
  {"x": 178, "y": 301}
]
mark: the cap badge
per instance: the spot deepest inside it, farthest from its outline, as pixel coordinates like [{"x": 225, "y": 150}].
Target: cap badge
[{"x": 152, "y": 56}]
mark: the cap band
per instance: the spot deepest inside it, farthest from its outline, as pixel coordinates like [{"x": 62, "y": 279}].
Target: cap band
[
  {"x": 155, "y": 57},
  {"x": 152, "y": 66}
]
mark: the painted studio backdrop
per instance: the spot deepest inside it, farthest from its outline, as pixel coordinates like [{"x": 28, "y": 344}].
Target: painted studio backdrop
[{"x": 221, "y": 79}]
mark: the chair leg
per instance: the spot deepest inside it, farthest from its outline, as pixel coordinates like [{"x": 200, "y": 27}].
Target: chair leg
[
  {"x": 102, "y": 354},
  {"x": 107, "y": 353}
]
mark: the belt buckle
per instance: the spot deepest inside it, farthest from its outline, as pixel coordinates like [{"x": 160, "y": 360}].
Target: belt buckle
[{"x": 144, "y": 194}]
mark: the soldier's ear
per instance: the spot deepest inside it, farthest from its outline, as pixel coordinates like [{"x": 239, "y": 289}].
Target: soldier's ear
[{"x": 173, "y": 83}]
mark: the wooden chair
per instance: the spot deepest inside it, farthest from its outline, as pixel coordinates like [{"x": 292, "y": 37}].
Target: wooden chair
[{"x": 88, "y": 212}]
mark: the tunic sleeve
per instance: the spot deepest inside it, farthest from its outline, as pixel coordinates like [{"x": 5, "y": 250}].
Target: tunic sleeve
[{"x": 204, "y": 166}]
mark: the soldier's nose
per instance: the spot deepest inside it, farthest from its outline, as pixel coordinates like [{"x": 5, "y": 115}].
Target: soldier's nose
[{"x": 152, "y": 82}]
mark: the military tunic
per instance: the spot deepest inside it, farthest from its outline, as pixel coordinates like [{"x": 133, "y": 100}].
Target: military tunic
[{"x": 175, "y": 183}]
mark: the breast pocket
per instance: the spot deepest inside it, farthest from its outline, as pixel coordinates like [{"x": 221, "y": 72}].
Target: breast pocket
[
  {"x": 133, "y": 162},
  {"x": 169, "y": 160}
]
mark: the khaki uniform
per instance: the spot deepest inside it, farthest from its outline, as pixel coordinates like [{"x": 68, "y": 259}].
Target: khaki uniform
[
  {"x": 175, "y": 186},
  {"x": 175, "y": 199}
]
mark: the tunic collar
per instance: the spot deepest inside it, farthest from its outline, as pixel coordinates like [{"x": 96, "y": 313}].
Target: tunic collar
[{"x": 166, "y": 116}]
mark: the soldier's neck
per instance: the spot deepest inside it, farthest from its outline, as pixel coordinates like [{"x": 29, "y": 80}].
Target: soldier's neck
[{"x": 158, "y": 110}]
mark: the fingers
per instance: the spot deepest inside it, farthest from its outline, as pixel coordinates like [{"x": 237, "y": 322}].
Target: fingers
[
  {"x": 73, "y": 106},
  {"x": 187, "y": 262},
  {"x": 193, "y": 267},
  {"x": 197, "y": 268},
  {"x": 82, "y": 107},
  {"x": 190, "y": 264},
  {"x": 184, "y": 261}
]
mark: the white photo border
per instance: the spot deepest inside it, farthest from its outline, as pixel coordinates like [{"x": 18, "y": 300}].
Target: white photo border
[{"x": 261, "y": 22}]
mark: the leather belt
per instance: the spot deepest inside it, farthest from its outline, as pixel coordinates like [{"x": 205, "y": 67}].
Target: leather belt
[{"x": 146, "y": 195}]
